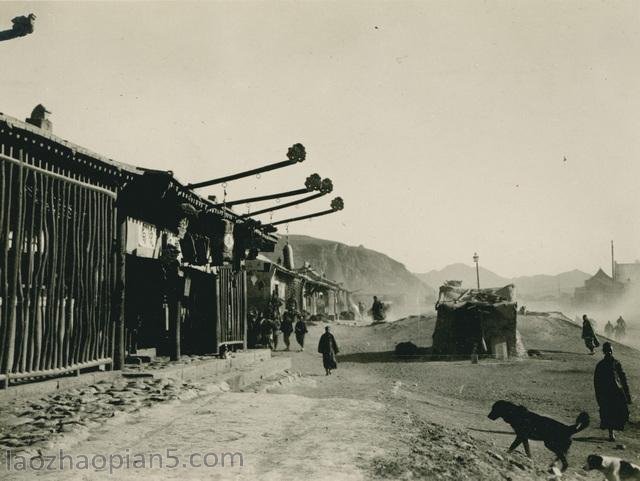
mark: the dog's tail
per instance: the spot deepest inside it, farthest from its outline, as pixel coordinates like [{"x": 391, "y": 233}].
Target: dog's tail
[{"x": 582, "y": 422}]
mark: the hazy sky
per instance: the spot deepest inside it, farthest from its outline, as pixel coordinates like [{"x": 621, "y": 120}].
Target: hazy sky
[{"x": 443, "y": 125}]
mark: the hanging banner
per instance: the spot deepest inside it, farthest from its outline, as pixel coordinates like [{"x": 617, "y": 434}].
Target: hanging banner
[{"x": 142, "y": 239}]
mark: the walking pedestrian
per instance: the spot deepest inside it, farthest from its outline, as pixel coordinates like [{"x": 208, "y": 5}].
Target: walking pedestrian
[
  {"x": 621, "y": 329},
  {"x": 612, "y": 392},
  {"x": 287, "y": 328},
  {"x": 589, "y": 335},
  {"x": 377, "y": 310},
  {"x": 266, "y": 330},
  {"x": 609, "y": 330},
  {"x": 301, "y": 331},
  {"x": 328, "y": 348}
]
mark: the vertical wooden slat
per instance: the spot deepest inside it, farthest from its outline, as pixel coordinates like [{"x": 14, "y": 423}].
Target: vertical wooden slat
[
  {"x": 119, "y": 301},
  {"x": 6, "y": 229},
  {"x": 41, "y": 294},
  {"x": 63, "y": 290},
  {"x": 16, "y": 258},
  {"x": 73, "y": 281}
]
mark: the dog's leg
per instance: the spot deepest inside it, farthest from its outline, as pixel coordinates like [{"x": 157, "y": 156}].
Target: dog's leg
[
  {"x": 563, "y": 460},
  {"x": 515, "y": 444},
  {"x": 525, "y": 443}
]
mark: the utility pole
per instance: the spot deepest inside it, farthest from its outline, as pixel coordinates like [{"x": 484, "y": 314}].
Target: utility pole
[
  {"x": 613, "y": 264},
  {"x": 476, "y": 258}
]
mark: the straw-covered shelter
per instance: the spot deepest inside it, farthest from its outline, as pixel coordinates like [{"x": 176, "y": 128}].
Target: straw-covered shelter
[{"x": 484, "y": 318}]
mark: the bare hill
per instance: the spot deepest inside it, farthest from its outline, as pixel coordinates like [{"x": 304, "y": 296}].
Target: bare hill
[
  {"x": 359, "y": 268},
  {"x": 532, "y": 287}
]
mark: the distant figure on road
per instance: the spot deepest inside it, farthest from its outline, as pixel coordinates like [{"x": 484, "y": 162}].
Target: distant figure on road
[
  {"x": 274, "y": 316},
  {"x": 301, "y": 331},
  {"x": 377, "y": 310},
  {"x": 253, "y": 327},
  {"x": 609, "y": 330},
  {"x": 328, "y": 348},
  {"x": 266, "y": 331},
  {"x": 620, "y": 331},
  {"x": 362, "y": 309},
  {"x": 287, "y": 327},
  {"x": 589, "y": 335},
  {"x": 612, "y": 392}
]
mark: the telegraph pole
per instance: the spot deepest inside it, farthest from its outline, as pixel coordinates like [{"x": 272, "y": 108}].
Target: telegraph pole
[{"x": 476, "y": 258}]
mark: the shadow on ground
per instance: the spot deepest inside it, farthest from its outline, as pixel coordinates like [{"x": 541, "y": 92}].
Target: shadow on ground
[{"x": 423, "y": 354}]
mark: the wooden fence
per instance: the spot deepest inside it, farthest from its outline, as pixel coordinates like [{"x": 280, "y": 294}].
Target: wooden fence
[
  {"x": 231, "y": 306},
  {"x": 57, "y": 269}
]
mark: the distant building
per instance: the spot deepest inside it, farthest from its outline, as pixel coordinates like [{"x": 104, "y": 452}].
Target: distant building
[
  {"x": 311, "y": 291},
  {"x": 599, "y": 289},
  {"x": 627, "y": 273}
]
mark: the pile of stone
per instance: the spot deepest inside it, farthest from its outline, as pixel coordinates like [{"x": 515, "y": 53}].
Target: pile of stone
[
  {"x": 163, "y": 362},
  {"x": 37, "y": 424}
]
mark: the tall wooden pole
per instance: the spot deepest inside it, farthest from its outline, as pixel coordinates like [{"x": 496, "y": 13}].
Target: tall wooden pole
[
  {"x": 12, "y": 300},
  {"x": 296, "y": 153},
  {"x": 175, "y": 309},
  {"x": 119, "y": 317},
  {"x": 613, "y": 264}
]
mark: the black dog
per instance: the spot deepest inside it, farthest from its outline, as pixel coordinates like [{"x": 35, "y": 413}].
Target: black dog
[{"x": 528, "y": 425}]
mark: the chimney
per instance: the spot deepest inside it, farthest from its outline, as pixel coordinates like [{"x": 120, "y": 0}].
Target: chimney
[{"x": 40, "y": 118}]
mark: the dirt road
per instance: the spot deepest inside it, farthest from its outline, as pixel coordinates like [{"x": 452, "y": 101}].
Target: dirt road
[{"x": 375, "y": 417}]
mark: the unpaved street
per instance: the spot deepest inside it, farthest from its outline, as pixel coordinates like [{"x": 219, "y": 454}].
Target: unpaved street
[
  {"x": 278, "y": 437},
  {"x": 375, "y": 417}
]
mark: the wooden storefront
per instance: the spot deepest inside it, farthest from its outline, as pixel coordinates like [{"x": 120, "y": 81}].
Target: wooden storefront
[{"x": 99, "y": 258}]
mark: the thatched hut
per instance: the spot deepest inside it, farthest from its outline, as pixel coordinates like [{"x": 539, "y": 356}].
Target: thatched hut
[{"x": 484, "y": 318}]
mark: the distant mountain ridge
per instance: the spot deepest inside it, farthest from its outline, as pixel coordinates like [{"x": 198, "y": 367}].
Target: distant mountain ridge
[
  {"x": 360, "y": 269},
  {"x": 537, "y": 286}
]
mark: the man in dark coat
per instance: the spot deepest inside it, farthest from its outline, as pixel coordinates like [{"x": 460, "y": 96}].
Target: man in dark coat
[
  {"x": 589, "y": 335},
  {"x": 301, "y": 331},
  {"x": 266, "y": 331},
  {"x": 612, "y": 392},
  {"x": 328, "y": 348},
  {"x": 253, "y": 327},
  {"x": 286, "y": 327},
  {"x": 377, "y": 310},
  {"x": 274, "y": 316}
]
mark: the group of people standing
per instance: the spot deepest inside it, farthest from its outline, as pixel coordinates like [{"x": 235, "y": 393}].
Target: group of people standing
[
  {"x": 619, "y": 331},
  {"x": 265, "y": 327},
  {"x": 609, "y": 380},
  {"x": 590, "y": 338}
]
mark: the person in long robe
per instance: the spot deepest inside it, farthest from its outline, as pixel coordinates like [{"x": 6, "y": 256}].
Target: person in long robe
[
  {"x": 377, "y": 310},
  {"x": 266, "y": 330},
  {"x": 609, "y": 329},
  {"x": 589, "y": 335},
  {"x": 286, "y": 327},
  {"x": 274, "y": 316},
  {"x": 301, "y": 331},
  {"x": 612, "y": 392},
  {"x": 328, "y": 348},
  {"x": 620, "y": 331}
]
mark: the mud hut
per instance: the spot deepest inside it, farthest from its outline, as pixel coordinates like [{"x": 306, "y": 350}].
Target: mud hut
[{"x": 485, "y": 318}]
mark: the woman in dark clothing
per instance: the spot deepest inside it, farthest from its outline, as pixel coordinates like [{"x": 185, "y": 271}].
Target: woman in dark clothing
[
  {"x": 301, "y": 330},
  {"x": 589, "y": 335},
  {"x": 328, "y": 348},
  {"x": 612, "y": 392}
]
